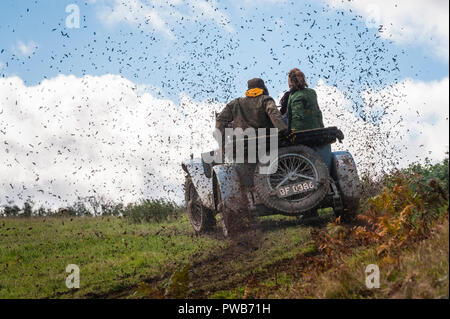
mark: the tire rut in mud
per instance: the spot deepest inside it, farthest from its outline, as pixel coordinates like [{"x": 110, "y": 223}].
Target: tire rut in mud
[{"x": 216, "y": 273}]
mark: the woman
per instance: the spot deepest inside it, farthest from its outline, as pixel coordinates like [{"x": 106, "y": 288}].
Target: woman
[
  {"x": 303, "y": 109},
  {"x": 303, "y": 113}
]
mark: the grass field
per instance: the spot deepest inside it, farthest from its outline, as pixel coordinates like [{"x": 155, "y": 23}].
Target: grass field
[
  {"x": 118, "y": 259},
  {"x": 111, "y": 253},
  {"x": 115, "y": 255}
]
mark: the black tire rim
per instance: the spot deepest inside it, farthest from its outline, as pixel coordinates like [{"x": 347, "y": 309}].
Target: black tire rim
[{"x": 292, "y": 168}]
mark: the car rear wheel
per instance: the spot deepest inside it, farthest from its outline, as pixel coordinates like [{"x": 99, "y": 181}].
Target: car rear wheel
[
  {"x": 202, "y": 219},
  {"x": 345, "y": 173}
]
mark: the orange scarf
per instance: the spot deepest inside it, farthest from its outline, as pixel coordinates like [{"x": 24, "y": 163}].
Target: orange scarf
[{"x": 254, "y": 92}]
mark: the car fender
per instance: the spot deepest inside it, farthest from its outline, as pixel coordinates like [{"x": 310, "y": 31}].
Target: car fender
[
  {"x": 195, "y": 170},
  {"x": 345, "y": 173},
  {"x": 227, "y": 178}
]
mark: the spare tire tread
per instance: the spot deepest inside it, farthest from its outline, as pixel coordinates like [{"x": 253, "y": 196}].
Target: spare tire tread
[{"x": 308, "y": 203}]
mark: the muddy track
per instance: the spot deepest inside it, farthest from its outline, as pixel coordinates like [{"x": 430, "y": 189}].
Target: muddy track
[
  {"x": 226, "y": 269},
  {"x": 218, "y": 272},
  {"x": 214, "y": 274}
]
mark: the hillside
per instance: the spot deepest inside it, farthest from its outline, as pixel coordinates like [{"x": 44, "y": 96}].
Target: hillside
[{"x": 403, "y": 228}]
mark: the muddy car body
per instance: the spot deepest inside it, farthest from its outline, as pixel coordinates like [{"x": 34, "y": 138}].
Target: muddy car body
[{"x": 308, "y": 177}]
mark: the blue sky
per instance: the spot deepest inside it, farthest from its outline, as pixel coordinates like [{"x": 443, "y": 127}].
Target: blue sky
[{"x": 204, "y": 59}]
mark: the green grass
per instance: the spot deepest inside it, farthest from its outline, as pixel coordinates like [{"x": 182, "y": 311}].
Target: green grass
[
  {"x": 282, "y": 258},
  {"x": 116, "y": 255},
  {"x": 112, "y": 253}
]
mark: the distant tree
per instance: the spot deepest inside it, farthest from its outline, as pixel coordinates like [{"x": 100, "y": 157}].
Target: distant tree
[
  {"x": 27, "y": 208},
  {"x": 43, "y": 212},
  {"x": 79, "y": 209},
  {"x": 95, "y": 204},
  {"x": 11, "y": 211}
]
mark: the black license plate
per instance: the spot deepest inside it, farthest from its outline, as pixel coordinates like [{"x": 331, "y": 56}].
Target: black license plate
[{"x": 293, "y": 189}]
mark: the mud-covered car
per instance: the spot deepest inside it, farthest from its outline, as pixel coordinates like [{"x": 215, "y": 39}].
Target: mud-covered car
[{"x": 308, "y": 176}]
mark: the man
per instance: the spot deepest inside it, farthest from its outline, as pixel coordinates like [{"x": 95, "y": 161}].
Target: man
[{"x": 256, "y": 110}]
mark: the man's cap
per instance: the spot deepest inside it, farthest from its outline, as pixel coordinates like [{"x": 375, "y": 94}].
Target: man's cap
[{"x": 257, "y": 83}]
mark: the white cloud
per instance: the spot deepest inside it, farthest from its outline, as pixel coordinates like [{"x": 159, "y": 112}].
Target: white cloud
[
  {"x": 72, "y": 137},
  {"x": 25, "y": 49},
  {"x": 134, "y": 12},
  {"x": 362, "y": 139},
  {"x": 421, "y": 110},
  {"x": 406, "y": 21},
  {"x": 415, "y": 126},
  {"x": 161, "y": 16}
]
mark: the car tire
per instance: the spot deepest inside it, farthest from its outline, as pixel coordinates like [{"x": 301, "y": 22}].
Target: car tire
[
  {"x": 202, "y": 219},
  {"x": 345, "y": 173}
]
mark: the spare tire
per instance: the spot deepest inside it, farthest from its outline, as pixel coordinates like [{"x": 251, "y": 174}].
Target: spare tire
[{"x": 299, "y": 183}]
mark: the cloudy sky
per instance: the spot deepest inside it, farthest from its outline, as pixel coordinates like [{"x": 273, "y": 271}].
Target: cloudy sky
[{"x": 110, "y": 103}]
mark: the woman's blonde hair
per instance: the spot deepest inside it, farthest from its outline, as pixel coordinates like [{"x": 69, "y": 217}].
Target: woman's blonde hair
[{"x": 297, "y": 78}]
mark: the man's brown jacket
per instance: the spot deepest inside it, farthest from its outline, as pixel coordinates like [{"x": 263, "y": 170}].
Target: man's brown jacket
[{"x": 256, "y": 112}]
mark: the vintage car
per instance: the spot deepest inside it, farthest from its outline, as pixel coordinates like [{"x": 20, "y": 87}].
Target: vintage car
[{"x": 308, "y": 176}]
